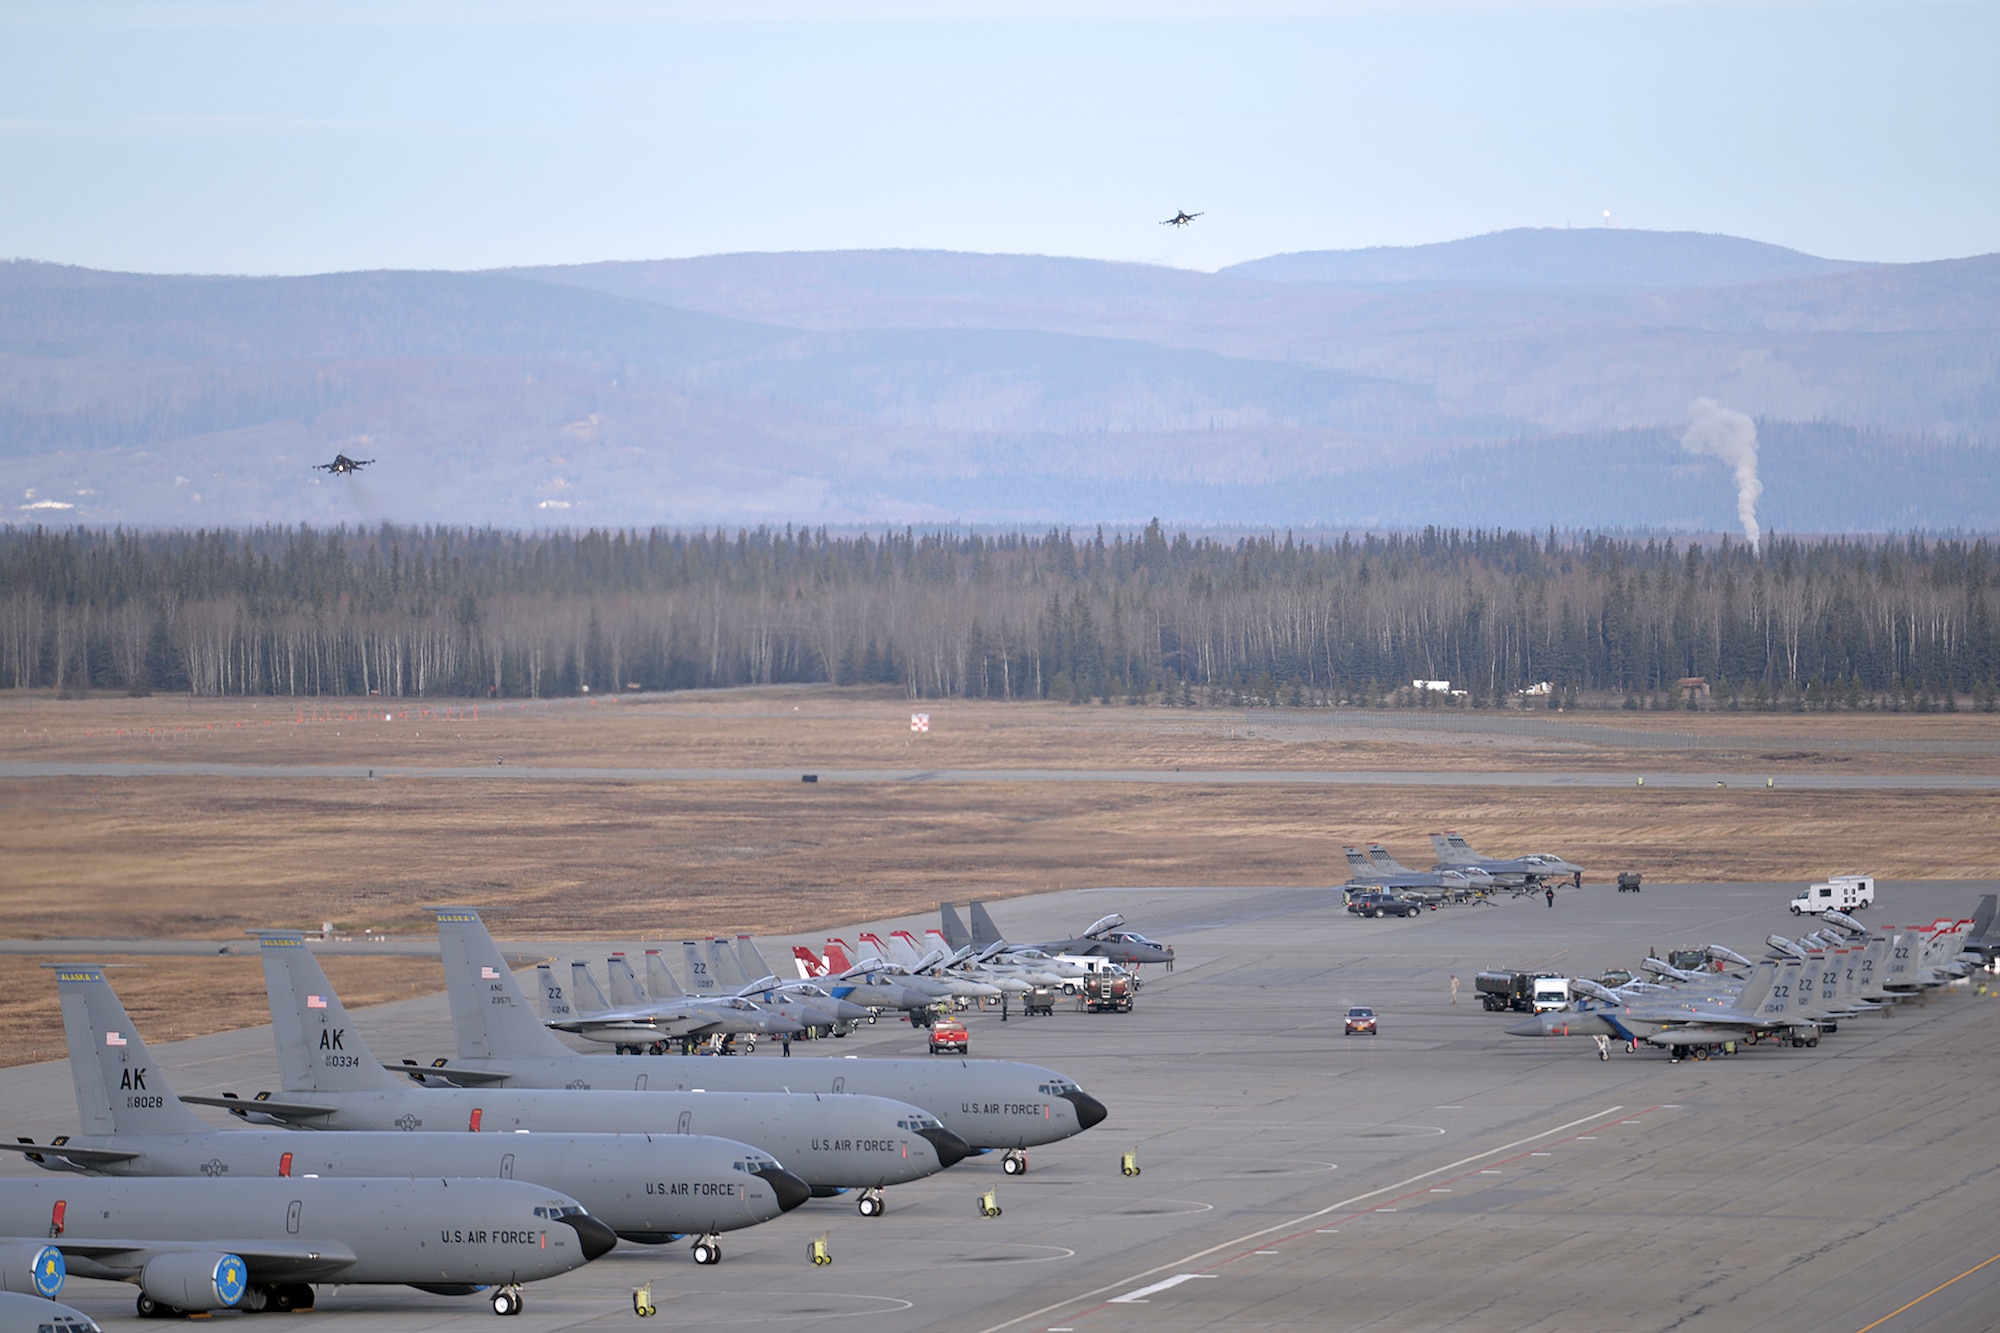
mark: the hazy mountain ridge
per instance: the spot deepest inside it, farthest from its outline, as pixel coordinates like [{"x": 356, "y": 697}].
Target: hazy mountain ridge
[{"x": 912, "y": 385}]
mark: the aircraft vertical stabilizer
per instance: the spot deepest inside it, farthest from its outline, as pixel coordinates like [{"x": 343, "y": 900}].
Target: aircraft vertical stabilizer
[
  {"x": 984, "y": 933},
  {"x": 584, "y": 996},
  {"x": 701, "y": 980},
  {"x": 319, "y": 1048},
  {"x": 622, "y": 982},
  {"x": 726, "y": 967},
  {"x": 488, "y": 1011},
  {"x": 751, "y": 958},
  {"x": 955, "y": 933},
  {"x": 119, "y": 1090}
]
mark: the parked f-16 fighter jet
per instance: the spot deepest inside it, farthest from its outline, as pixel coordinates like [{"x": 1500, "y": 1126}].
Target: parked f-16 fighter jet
[
  {"x": 992, "y": 1104},
  {"x": 1105, "y": 938},
  {"x": 1454, "y": 853},
  {"x": 1180, "y": 218},
  {"x": 342, "y": 465},
  {"x": 1376, "y": 869},
  {"x": 706, "y": 1184},
  {"x": 331, "y": 1081}
]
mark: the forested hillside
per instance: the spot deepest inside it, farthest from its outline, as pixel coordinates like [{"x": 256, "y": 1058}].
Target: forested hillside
[{"x": 458, "y": 612}]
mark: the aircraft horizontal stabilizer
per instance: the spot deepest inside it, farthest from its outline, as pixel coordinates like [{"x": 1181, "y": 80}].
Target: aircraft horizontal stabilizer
[{"x": 263, "y": 1106}]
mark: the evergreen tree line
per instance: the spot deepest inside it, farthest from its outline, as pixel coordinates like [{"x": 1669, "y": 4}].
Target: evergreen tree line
[{"x": 399, "y": 611}]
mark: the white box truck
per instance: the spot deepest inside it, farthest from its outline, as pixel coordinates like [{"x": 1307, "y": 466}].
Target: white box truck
[
  {"x": 1551, "y": 993},
  {"x": 1842, "y": 893}
]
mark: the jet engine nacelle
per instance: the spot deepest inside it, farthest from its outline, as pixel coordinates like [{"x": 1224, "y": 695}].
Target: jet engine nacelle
[
  {"x": 32, "y": 1269},
  {"x": 195, "y": 1280}
]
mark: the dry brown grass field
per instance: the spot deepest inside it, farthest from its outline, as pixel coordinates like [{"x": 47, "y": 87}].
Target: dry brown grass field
[{"x": 203, "y": 857}]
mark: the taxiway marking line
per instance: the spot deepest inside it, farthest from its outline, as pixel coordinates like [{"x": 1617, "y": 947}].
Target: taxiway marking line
[
  {"x": 1926, "y": 1296},
  {"x": 1299, "y": 1225}
]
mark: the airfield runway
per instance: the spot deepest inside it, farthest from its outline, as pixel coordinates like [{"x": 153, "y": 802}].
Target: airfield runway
[
  {"x": 1438, "y": 1176},
  {"x": 1198, "y": 777}
]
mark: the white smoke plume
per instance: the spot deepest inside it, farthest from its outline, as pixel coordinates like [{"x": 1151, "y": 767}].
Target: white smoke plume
[{"x": 1715, "y": 431}]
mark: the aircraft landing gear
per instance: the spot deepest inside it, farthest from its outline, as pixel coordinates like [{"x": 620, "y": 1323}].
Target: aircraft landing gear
[
  {"x": 707, "y": 1249},
  {"x": 1016, "y": 1162},
  {"x": 152, "y": 1309},
  {"x": 507, "y": 1300},
  {"x": 287, "y": 1296},
  {"x": 872, "y": 1203}
]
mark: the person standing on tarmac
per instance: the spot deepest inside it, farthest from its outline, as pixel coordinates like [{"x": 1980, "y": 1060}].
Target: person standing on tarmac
[
  {"x": 1454, "y": 988},
  {"x": 1550, "y": 891}
]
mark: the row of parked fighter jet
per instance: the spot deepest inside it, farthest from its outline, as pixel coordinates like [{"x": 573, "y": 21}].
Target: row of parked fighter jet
[
  {"x": 1802, "y": 989},
  {"x": 622, "y": 1148},
  {"x": 1459, "y": 871},
  {"x": 732, "y": 990}
]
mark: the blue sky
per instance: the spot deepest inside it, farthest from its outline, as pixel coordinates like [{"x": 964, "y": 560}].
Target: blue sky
[{"x": 231, "y": 136}]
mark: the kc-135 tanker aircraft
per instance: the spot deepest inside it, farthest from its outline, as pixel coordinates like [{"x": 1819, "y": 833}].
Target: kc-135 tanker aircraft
[
  {"x": 332, "y": 1081},
  {"x": 648, "y": 1188},
  {"x": 988, "y": 1104}
]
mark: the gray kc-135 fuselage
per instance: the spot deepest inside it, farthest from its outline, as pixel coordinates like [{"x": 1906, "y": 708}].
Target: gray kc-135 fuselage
[
  {"x": 646, "y": 1187},
  {"x": 988, "y": 1103},
  {"x": 331, "y": 1081},
  {"x": 260, "y": 1243}
]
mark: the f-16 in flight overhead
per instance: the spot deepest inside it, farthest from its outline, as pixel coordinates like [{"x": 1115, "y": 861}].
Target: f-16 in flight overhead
[
  {"x": 990, "y": 1104},
  {"x": 647, "y": 1188},
  {"x": 332, "y": 1081},
  {"x": 1531, "y": 871},
  {"x": 342, "y": 465},
  {"x": 1180, "y": 218},
  {"x": 1104, "y": 938}
]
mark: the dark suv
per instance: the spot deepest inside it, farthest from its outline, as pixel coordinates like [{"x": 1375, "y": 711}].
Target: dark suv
[{"x": 1373, "y": 902}]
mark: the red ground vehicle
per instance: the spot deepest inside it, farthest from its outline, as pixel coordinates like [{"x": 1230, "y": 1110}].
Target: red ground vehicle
[
  {"x": 1360, "y": 1019},
  {"x": 948, "y": 1034}
]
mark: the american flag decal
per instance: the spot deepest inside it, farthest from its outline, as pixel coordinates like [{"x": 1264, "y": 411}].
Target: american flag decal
[
  {"x": 315, "y": 1001},
  {"x": 488, "y": 974},
  {"x": 113, "y": 1039}
]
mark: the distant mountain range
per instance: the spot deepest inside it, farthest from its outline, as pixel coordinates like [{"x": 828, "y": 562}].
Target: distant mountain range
[{"x": 1525, "y": 378}]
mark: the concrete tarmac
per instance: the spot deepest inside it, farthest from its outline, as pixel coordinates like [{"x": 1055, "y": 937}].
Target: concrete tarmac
[{"x": 1441, "y": 1175}]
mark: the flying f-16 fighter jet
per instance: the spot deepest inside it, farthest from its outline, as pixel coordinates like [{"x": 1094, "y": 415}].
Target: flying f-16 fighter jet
[
  {"x": 342, "y": 465},
  {"x": 1180, "y": 218}
]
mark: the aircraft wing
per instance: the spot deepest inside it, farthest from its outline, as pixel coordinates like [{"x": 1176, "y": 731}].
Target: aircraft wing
[
  {"x": 267, "y": 1260},
  {"x": 458, "y": 1078},
  {"x": 266, "y": 1106},
  {"x": 82, "y": 1157}
]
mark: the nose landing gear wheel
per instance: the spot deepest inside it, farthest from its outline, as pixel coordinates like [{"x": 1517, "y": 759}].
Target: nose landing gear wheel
[
  {"x": 707, "y": 1250},
  {"x": 507, "y": 1301},
  {"x": 872, "y": 1203},
  {"x": 1015, "y": 1163}
]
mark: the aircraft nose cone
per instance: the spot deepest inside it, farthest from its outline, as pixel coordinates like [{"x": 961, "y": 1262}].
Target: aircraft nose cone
[
  {"x": 1528, "y": 1027},
  {"x": 595, "y": 1237},
  {"x": 849, "y": 1013},
  {"x": 1089, "y": 1111},
  {"x": 950, "y": 1147},
  {"x": 790, "y": 1189}
]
